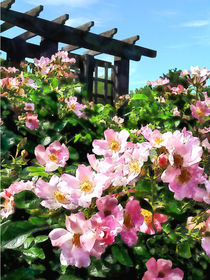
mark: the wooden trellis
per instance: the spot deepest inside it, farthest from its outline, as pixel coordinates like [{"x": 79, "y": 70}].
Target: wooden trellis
[{"x": 55, "y": 31}]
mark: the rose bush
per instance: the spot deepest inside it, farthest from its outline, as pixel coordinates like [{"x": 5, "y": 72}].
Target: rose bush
[{"x": 121, "y": 191}]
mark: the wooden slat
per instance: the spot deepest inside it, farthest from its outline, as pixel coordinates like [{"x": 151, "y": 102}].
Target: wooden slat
[
  {"x": 106, "y": 84},
  {"x": 96, "y": 83},
  {"x": 85, "y": 27},
  {"x": 109, "y": 34},
  {"x": 102, "y": 96},
  {"x": 69, "y": 35},
  {"x": 33, "y": 12},
  {"x": 28, "y": 35},
  {"x": 7, "y": 4},
  {"x": 131, "y": 40},
  {"x": 103, "y": 80}
]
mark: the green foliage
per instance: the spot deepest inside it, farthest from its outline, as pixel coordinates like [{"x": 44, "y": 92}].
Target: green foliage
[{"x": 25, "y": 240}]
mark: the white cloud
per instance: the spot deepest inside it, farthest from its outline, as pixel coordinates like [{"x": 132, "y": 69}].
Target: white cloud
[
  {"x": 165, "y": 13},
  {"x": 71, "y": 3},
  {"x": 74, "y": 22},
  {"x": 196, "y": 23}
]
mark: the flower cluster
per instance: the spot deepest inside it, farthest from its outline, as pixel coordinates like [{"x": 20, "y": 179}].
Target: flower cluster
[
  {"x": 74, "y": 106},
  {"x": 201, "y": 109},
  {"x": 58, "y": 65},
  {"x": 8, "y": 195},
  {"x": 83, "y": 238},
  {"x": 178, "y": 155},
  {"x": 196, "y": 76}
]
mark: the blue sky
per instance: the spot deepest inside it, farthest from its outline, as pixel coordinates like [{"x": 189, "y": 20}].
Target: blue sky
[{"x": 179, "y": 30}]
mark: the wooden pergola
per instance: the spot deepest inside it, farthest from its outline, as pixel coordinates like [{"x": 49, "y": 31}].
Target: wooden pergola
[{"x": 55, "y": 31}]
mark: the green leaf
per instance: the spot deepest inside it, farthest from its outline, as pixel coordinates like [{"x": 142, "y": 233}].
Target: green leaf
[
  {"x": 34, "y": 253},
  {"x": 73, "y": 154},
  {"x": 36, "y": 221},
  {"x": 184, "y": 250},
  {"x": 40, "y": 238},
  {"x": 140, "y": 96},
  {"x": 54, "y": 82},
  {"x": 122, "y": 256},
  {"x": 35, "y": 168},
  {"x": 143, "y": 186},
  {"x": 28, "y": 242},
  {"x": 27, "y": 200},
  {"x": 13, "y": 234}
]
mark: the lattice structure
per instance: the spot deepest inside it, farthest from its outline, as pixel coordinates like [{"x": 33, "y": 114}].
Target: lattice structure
[{"x": 55, "y": 31}]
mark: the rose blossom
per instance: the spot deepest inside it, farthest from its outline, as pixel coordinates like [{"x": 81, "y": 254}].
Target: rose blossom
[
  {"x": 53, "y": 197},
  {"x": 75, "y": 106},
  {"x": 53, "y": 157},
  {"x": 32, "y": 121},
  {"x": 29, "y": 106},
  {"x": 162, "y": 269},
  {"x": 85, "y": 186},
  {"x": 76, "y": 241},
  {"x": 132, "y": 222},
  {"x": 115, "y": 142},
  {"x": 152, "y": 222}
]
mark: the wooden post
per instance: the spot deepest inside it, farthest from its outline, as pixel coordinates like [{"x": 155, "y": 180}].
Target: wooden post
[
  {"x": 87, "y": 75},
  {"x": 16, "y": 52},
  {"x": 121, "y": 66},
  {"x": 48, "y": 48}
]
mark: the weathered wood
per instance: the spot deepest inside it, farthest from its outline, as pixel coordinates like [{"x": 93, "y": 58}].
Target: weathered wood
[
  {"x": 16, "y": 52},
  {"x": 28, "y": 35},
  {"x": 85, "y": 27},
  {"x": 33, "y": 12},
  {"x": 121, "y": 76},
  {"x": 109, "y": 34},
  {"x": 48, "y": 48},
  {"x": 106, "y": 84},
  {"x": 96, "y": 83},
  {"x": 88, "y": 64},
  {"x": 103, "y": 80},
  {"x": 31, "y": 50},
  {"x": 7, "y": 4},
  {"x": 69, "y": 35},
  {"x": 131, "y": 40}
]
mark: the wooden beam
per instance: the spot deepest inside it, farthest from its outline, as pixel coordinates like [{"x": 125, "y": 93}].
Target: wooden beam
[
  {"x": 31, "y": 50},
  {"x": 69, "y": 35},
  {"x": 109, "y": 34},
  {"x": 33, "y": 12},
  {"x": 7, "y": 4},
  {"x": 28, "y": 35},
  {"x": 131, "y": 40},
  {"x": 85, "y": 27}
]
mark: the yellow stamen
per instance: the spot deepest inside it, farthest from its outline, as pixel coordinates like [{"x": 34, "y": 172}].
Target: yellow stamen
[
  {"x": 60, "y": 197},
  {"x": 115, "y": 146},
  {"x": 86, "y": 187},
  {"x": 73, "y": 107},
  {"x": 147, "y": 216},
  {"x": 53, "y": 157},
  {"x": 200, "y": 112},
  {"x": 135, "y": 166},
  {"x": 158, "y": 140}
]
